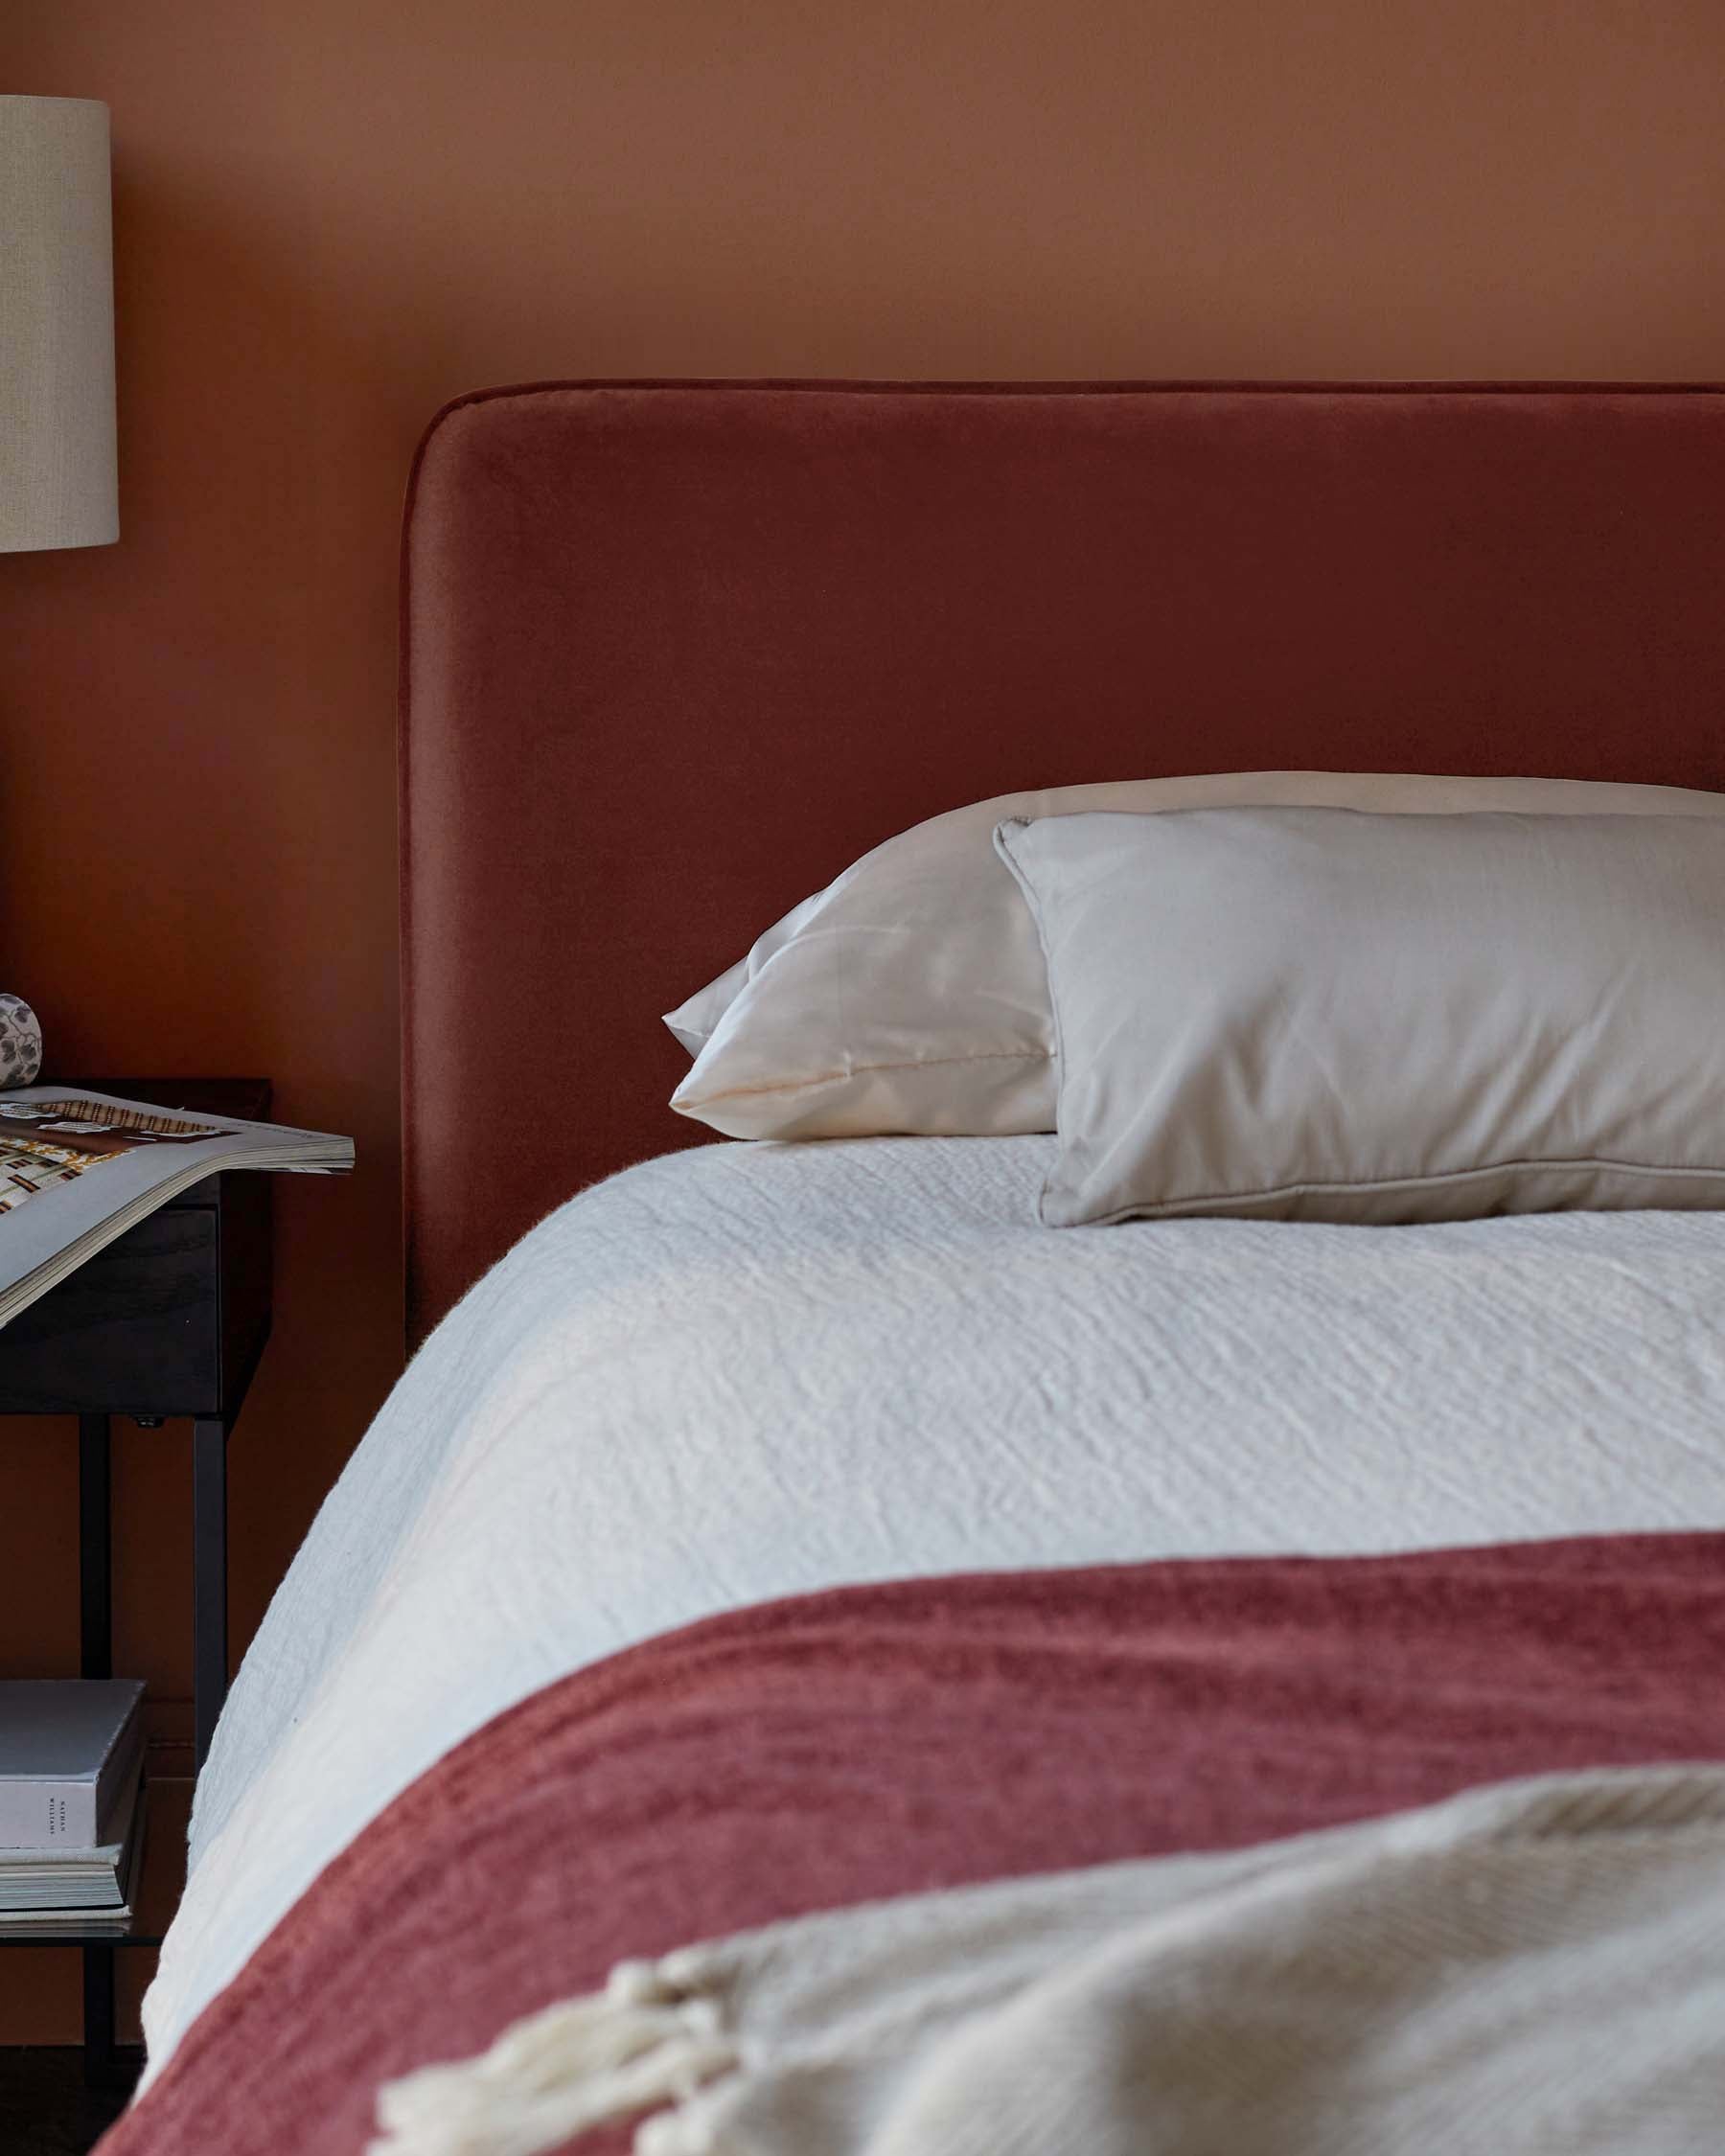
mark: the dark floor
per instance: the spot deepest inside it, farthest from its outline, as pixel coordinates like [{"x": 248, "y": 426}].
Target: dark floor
[{"x": 45, "y": 2109}]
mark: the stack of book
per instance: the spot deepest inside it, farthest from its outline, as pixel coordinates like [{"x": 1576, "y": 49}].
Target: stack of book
[{"x": 72, "y": 1803}]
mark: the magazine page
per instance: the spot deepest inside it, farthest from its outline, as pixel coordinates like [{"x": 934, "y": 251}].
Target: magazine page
[{"x": 78, "y": 1168}]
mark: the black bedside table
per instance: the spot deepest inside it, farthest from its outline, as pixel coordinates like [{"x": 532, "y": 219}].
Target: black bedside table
[{"x": 168, "y": 1321}]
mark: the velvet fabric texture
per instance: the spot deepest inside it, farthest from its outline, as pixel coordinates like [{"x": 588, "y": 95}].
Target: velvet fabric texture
[
  {"x": 673, "y": 654},
  {"x": 874, "y": 1741}
]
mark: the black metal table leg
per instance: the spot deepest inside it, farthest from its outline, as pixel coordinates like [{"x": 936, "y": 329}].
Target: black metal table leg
[
  {"x": 95, "y": 1659},
  {"x": 104, "y": 2066},
  {"x": 209, "y": 1578},
  {"x": 95, "y": 1550}
]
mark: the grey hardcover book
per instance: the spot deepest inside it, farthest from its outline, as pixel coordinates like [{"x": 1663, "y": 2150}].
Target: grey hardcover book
[
  {"x": 67, "y": 1879},
  {"x": 68, "y": 1751},
  {"x": 95, "y": 1909}
]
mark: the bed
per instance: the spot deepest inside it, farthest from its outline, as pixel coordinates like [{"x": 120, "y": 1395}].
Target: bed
[{"x": 686, "y": 1461}]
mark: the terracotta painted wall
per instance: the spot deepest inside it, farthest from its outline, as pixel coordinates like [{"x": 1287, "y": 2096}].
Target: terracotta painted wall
[{"x": 332, "y": 215}]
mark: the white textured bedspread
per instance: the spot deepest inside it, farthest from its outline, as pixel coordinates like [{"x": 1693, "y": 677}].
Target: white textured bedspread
[{"x": 745, "y": 1372}]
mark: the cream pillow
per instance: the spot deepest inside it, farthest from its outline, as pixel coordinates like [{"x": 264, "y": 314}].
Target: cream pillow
[
  {"x": 910, "y": 995},
  {"x": 1319, "y": 1014}
]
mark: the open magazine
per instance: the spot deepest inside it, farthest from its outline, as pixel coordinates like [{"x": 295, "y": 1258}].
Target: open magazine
[{"x": 77, "y": 1169}]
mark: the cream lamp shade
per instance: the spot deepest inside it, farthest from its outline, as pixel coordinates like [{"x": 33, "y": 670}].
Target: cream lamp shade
[{"x": 58, "y": 483}]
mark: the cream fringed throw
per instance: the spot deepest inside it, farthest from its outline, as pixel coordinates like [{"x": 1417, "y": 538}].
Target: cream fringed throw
[{"x": 1537, "y": 1967}]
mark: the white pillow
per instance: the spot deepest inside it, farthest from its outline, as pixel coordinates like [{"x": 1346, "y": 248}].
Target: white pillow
[
  {"x": 910, "y": 995},
  {"x": 1316, "y": 1014}
]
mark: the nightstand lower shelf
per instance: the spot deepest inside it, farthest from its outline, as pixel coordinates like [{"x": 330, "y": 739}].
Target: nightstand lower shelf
[
  {"x": 107, "y": 2063},
  {"x": 167, "y": 1322},
  {"x": 162, "y": 1874}
]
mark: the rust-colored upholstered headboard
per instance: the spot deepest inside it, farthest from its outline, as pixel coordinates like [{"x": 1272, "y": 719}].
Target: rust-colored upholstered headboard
[{"x": 676, "y": 653}]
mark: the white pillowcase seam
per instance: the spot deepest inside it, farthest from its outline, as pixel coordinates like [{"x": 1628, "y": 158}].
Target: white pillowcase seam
[
  {"x": 1156, "y": 1207},
  {"x": 1002, "y": 841},
  {"x": 688, "y": 1101}
]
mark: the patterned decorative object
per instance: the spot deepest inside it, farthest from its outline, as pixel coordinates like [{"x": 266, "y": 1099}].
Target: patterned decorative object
[{"x": 20, "y": 1042}]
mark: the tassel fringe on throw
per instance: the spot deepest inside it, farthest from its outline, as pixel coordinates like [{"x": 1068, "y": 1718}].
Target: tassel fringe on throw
[
  {"x": 578, "y": 2064},
  {"x": 1531, "y": 1969}
]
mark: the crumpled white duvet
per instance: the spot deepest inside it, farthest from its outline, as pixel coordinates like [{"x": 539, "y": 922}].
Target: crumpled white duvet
[{"x": 745, "y": 1372}]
